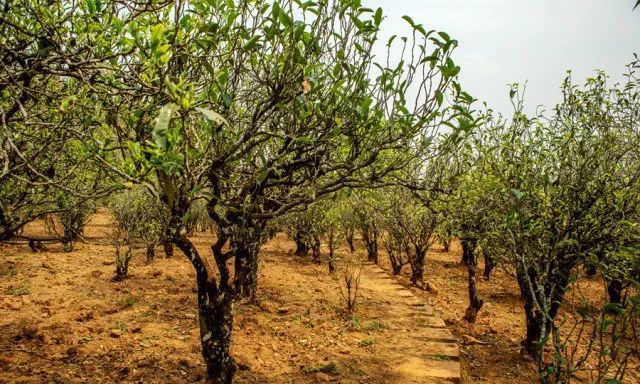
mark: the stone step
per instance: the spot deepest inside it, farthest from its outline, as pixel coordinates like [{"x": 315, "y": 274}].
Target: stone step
[
  {"x": 436, "y": 334},
  {"x": 425, "y": 321},
  {"x": 425, "y": 371},
  {"x": 435, "y": 350}
]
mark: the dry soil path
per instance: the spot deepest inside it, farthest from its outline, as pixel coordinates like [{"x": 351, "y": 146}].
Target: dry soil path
[{"x": 422, "y": 349}]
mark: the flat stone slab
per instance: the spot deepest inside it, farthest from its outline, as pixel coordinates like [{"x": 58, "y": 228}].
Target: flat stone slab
[
  {"x": 436, "y": 334},
  {"x": 424, "y": 371},
  {"x": 428, "y": 321},
  {"x": 434, "y": 350}
]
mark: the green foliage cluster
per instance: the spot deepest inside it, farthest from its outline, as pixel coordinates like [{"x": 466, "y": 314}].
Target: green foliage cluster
[{"x": 138, "y": 216}]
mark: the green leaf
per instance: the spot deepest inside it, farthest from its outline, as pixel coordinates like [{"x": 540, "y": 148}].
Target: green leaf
[
  {"x": 251, "y": 43},
  {"x": 439, "y": 97},
  {"x": 377, "y": 18},
  {"x": 161, "y": 128},
  {"x": 213, "y": 116},
  {"x": 445, "y": 36},
  {"x": 304, "y": 139},
  {"x": 275, "y": 11},
  {"x": 616, "y": 308},
  {"x": 518, "y": 193},
  {"x": 285, "y": 19},
  {"x": 262, "y": 175},
  {"x": 91, "y": 6},
  {"x": 409, "y": 20},
  {"x": 227, "y": 100}
]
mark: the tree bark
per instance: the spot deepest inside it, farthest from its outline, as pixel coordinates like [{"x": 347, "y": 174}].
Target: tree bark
[
  {"x": 535, "y": 320},
  {"x": 614, "y": 288},
  {"x": 370, "y": 239},
  {"x": 168, "y": 249},
  {"x": 538, "y": 324},
  {"x": 122, "y": 263},
  {"x": 151, "y": 253},
  {"x": 216, "y": 325},
  {"x": 489, "y": 264},
  {"x": 331, "y": 243},
  {"x": 417, "y": 265},
  {"x": 315, "y": 250},
  {"x": 302, "y": 249},
  {"x": 475, "y": 303},
  {"x": 396, "y": 263},
  {"x": 215, "y": 312},
  {"x": 465, "y": 257},
  {"x": 349, "y": 237},
  {"x": 246, "y": 243}
]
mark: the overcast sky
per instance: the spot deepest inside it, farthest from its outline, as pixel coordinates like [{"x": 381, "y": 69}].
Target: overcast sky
[{"x": 506, "y": 41}]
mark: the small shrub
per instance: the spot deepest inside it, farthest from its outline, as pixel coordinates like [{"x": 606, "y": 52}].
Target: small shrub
[
  {"x": 331, "y": 368},
  {"x": 127, "y": 302},
  {"x": 20, "y": 290},
  {"x": 366, "y": 342},
  {"x": 349, "y": 284},
  {"x": 140, "y": 217},
  {"x": 374, "y": 326}
]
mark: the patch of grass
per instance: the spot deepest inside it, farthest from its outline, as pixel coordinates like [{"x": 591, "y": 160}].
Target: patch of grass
[
  {"x": 366, "y": 342},
  {"x": 127, "y": 302},
  {"x": 119, "y": 326},
  {"x": 85, "y": 339},
  {"x": 440, "y": 357},
  {"x": 19, "y": 290},
  {"x": 374, "y": 326},
  {"x": 331, "y": 368},
  {"x": 9, "y": 271},
  {"x": 356, "y": 371},
  {"x": 355, "y": 322}
]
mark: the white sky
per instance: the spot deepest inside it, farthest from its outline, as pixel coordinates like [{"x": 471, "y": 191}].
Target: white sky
[{"x": 507, "y": 41}]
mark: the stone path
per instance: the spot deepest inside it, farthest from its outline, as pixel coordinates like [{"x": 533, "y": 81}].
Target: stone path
[{"x": 422, "y": 349}]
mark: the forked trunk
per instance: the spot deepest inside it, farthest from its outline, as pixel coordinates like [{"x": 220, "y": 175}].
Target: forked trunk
[
  {"x": 539, "y": 325},
  {"x": 475, "y": 303},
  {"x": 446, "y": 245},
  {"x": 349, "y": 237},
  {"x": 396, "y": 263},
  {"x": 122, "y": 263},
  {"x": 395, "y": 257},
  {"x": 215, "y": 312}
]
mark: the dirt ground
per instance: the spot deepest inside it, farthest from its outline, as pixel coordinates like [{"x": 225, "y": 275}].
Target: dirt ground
[{"x": 63, "y": 320}]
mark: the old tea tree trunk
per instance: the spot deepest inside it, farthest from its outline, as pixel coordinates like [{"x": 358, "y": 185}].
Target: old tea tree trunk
[
  {"x": 475, "y": 303},
  {"x": 215, "y": 309}
]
